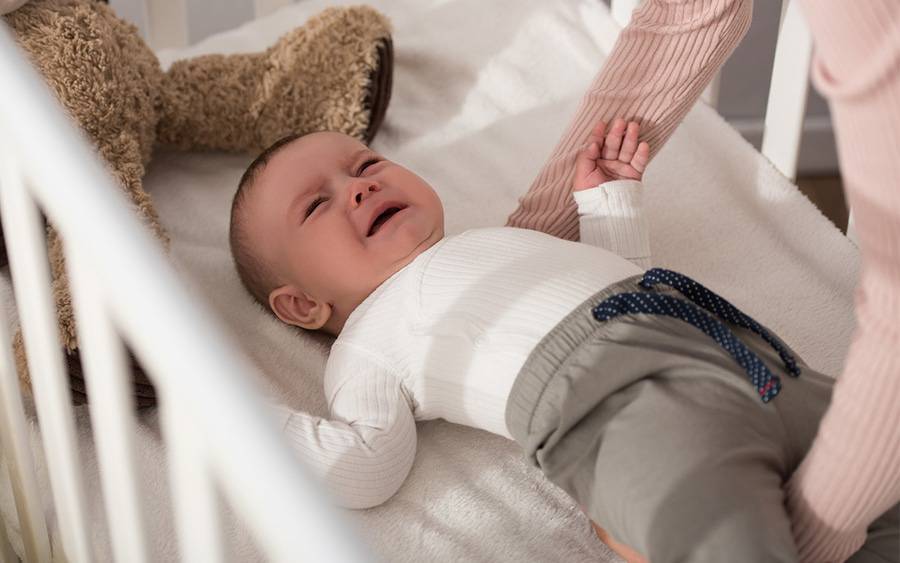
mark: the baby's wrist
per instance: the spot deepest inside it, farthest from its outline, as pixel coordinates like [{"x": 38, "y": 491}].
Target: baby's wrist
[{"x": 603, "y": 190}]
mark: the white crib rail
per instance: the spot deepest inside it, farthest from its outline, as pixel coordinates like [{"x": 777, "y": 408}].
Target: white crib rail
[
  {"x": 788, "y": 90},
  {"x": 28, "y": 258},
  {"x": 15, "y": 446},
  {"x": 214, "y": 420}
]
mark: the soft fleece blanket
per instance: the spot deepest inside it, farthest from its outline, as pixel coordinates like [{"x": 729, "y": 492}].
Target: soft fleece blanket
[{"x": 482, "y": 92}]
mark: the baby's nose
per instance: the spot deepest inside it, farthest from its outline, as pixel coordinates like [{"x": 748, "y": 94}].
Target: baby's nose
[{"x": 364, "y": 191}]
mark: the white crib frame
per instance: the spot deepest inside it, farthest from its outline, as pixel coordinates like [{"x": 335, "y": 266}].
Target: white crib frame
[
  {"x": 213, "y": 419},
  {"x": 220, "y": 436}
]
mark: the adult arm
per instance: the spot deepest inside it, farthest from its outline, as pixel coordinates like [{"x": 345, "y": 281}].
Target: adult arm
[
  {"x": 658, "y": 68},
  {"x": 851, "y": 474},
  {"x": 365, "y": 451}
]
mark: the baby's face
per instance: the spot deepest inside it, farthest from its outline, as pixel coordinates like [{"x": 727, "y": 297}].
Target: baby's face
[{"x": 335, "y": 219}]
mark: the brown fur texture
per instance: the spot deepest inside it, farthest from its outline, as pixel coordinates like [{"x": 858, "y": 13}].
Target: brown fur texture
[
  {"x": 321, "y": 76},
  {"x": 314, "y": 78}
]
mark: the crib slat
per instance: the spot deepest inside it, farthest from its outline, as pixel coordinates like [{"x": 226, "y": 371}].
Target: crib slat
[
  {"x": 176, "y": 337},
  {"x": 111, "y": 406},
  {"x": 16, "y": 446},
  {"x": 31, "y": 284},
  {"x": 787, "y": 91},
  {"x": 194, "y": 495}
]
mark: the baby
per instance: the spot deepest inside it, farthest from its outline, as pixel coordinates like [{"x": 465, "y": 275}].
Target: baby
[
  {"x": 329, "y": 220},
  {"x": 642, "y": 394}
]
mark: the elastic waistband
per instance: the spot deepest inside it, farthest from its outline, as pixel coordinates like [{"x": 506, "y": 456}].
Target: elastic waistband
[{"x": 545, "y": 360}]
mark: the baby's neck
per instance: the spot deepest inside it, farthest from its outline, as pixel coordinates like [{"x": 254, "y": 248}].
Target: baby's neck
[
  {"x": 335, "y": 325},
  {"x": 340, "y": 314}
]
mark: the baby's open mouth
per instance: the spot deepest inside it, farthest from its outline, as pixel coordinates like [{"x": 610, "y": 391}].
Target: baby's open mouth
[{"x": 382, "y": 219}]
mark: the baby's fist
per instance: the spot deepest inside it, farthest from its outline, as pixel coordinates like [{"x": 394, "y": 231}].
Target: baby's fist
[{"x": 614, "y": 156}]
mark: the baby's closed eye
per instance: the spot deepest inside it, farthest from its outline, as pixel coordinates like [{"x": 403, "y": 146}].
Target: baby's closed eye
[{"x": 312, "y": 206}]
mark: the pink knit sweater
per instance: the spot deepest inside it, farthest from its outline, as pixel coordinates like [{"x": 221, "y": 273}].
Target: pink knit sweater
[{"x": 658, "y": 68}]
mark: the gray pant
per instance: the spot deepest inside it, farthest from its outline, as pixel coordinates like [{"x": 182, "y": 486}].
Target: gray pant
[{"x": 659, "y": 434}]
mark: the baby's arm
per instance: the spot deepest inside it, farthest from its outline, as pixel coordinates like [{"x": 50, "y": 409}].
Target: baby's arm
[
  {"x": 365, "y": 451},
  {"x": 608, "y": 191}
]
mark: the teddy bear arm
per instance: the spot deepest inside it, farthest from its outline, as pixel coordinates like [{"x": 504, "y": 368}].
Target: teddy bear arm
[
  {"x": 333, "y": 73},
  {"x": 205, "y": 103}
]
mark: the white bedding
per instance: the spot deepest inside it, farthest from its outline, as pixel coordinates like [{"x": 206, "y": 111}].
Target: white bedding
[{"x": 481, "y": 93}]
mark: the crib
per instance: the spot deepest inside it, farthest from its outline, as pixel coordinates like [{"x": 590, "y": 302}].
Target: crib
[{"x": 221, "y": 444}]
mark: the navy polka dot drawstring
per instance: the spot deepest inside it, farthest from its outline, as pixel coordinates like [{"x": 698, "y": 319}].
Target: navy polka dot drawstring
[
  {"x": 766, "y": 383},
  {"x": 718, "y": 306}
]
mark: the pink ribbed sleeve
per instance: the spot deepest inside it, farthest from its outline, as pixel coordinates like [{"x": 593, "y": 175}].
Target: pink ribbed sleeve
[
  {"x": 852, "y": 473},
  {"x": 658, "y": 68}
]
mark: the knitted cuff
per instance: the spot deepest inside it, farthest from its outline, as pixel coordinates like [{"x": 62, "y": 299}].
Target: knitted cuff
[
  {"x": 611, "y": 216},
  {"x": 816, "y": 541}
]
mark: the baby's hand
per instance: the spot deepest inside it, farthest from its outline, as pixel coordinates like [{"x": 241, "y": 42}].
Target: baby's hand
[{"x": 617, "y": 156}]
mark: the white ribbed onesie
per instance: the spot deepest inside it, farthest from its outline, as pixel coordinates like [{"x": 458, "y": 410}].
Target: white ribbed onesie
[{"x": 445, "y": 337}]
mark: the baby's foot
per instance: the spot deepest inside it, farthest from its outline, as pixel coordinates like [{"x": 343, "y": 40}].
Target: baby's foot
[{"x": 623, "y": 158}]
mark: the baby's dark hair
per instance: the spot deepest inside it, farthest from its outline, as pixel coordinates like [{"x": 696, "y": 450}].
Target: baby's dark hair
[{"x": 256, "y": 276}]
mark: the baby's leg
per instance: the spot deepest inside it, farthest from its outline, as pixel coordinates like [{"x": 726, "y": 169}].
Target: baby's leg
[
  {"x": 733, "y": 471},
  {"x": 659, "y": 434},
  {"x": 626, "y": 552},
  {"x": 658, "y": 68},
  {"x": 679, "y": 479}
]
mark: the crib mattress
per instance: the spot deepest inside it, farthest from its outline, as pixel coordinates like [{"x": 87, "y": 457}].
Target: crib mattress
[{"x": 481, "y": 94}]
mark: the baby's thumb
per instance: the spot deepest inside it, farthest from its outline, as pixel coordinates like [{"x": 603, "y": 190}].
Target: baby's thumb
[{"x": 586, "y": 160}]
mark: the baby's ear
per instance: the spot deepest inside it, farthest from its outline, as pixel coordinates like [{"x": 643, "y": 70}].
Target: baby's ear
[{"x": 294, "y": 307}]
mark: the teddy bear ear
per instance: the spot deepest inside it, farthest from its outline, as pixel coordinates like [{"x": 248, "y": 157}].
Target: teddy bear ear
[
  {"x": 7, "y": 6},
  {"x": 379, "y": 95}
]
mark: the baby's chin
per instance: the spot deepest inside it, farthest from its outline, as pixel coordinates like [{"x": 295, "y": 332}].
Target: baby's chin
[
  {"x": 433, "y": 237},
  {"x": 430, "y": 241}
]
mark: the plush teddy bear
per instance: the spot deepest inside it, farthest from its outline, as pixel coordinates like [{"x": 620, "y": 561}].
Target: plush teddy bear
[{"x": 332, "y": 73}]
